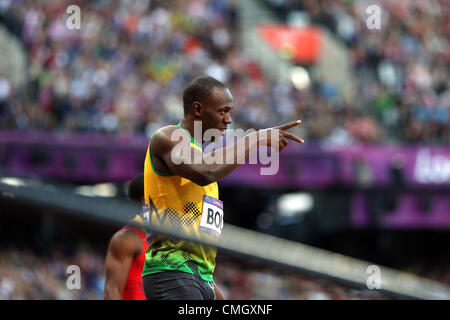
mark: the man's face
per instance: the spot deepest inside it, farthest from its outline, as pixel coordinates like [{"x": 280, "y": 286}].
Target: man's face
[{"x": 217, "y": 110}]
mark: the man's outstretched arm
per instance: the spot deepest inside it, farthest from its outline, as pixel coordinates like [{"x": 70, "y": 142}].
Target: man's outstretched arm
[{"x": 182, "y": 163}]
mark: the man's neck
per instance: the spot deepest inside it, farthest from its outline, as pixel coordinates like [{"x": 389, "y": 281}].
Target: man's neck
[{"x": 188, "y": 125}]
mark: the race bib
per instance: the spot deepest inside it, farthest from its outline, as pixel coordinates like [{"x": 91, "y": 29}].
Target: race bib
[{"x": 212, "y": 216}]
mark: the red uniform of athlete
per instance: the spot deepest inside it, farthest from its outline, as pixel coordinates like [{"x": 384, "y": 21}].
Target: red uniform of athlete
[
  {"x": 133, "y": 289},
  {"x": 126, "y": 254}
]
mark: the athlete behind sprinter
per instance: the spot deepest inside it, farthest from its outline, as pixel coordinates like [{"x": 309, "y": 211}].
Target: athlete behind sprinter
[
  {"x": 183, "y": 195},
  {"x": 126, "y": 254}
]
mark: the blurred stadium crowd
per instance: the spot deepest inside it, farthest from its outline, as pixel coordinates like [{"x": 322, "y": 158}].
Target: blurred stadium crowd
[
  {"x": 25, "y": 274},
  {"x": 125, "y": 70},
  {"x": 28, "y": 274}
]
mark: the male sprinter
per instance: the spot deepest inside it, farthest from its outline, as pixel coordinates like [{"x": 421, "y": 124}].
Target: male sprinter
[
  {"x": 183, "y": 195},
  {"x": 126, "y": 254}
]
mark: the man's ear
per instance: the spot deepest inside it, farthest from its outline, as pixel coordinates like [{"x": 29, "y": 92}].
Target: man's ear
[{"x": 197, "y": 106}]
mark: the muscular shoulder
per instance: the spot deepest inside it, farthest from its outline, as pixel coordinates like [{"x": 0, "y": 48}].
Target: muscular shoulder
[
  {"x": 164, "y": 139},
  {"x": 125, "y": 242}
]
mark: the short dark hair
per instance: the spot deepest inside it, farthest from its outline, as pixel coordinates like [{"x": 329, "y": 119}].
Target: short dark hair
[
  {"x": 199, "y": 89},
  {"x": 136, "y": 188}
]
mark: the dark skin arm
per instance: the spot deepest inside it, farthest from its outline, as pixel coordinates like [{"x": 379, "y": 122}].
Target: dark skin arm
[
  {"x": 219, "y": 295},
  {"x": 165, "y": 157},
  {"x": 124, "y": 246}
]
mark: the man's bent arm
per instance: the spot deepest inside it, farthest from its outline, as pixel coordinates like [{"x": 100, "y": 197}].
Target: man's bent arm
[{"x": 122, "y": 249}]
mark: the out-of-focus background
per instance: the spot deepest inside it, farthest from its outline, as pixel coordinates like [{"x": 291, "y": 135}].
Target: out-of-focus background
[{"x": 369, "y": 79}]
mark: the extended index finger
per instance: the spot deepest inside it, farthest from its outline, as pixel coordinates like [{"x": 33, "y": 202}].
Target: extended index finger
[
  {"x": 293, "y": 137},
  {"x": 290, "y": 125}
]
